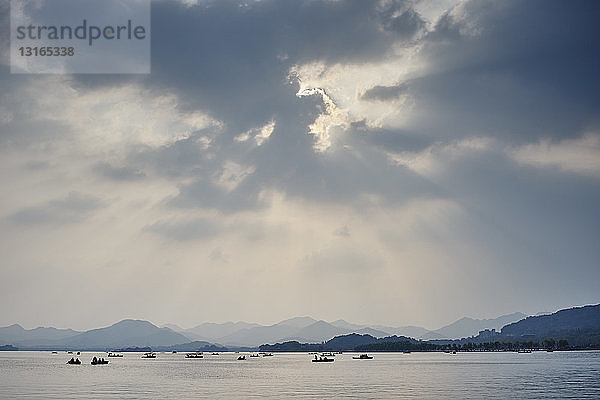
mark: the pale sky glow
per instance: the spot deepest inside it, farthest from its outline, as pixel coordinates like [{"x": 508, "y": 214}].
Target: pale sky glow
[{"x": 386, "y": 162}]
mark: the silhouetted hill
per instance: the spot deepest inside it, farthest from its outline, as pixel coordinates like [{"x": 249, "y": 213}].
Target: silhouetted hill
[
  {"x": 578, "y": 319},
  {"x": 126, "y": 333},
  {"x": 17, "y": 335},
  {"x": 257, "y": 335},
  {"x": 318, "y": 332},
  {"x": 339, "y": 343},
  {"x": 211, "y": 331},
  {"x": 466, "y": 327}
]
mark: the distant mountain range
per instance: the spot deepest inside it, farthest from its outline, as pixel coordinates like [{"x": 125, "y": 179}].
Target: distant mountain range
[
  {"x": 131, "y": 333},
  {"x": 308, "y": 329},
  {"x": 16, "y": 334},
  {"x": 580, "y": 319},
  {"x": 127, "y": 333},
  {"x": 466, "y": 327},
  {"x": 579, "y": 326},
  {"x": 216, "y": 337},
  {"x": 574, "y": 328}
]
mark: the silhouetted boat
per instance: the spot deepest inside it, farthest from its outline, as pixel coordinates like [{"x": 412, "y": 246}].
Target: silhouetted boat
[
  {"x": 241, "y": 358},
  {"x": 254, "y": 355},
  {"x": 99, "y": 361},
  {"x": 74, "y": 361},
  {"x": 149, "y": 355},
  {"x": 194, "y": 355},
  {"x": 267, "y": 355},
  {"x": 323, "y": 359},
  {"x": 174, "y": 352},
  {"x": 363, "y": 357},
  {"x": 214, "y": 354},
  {"x": 114, "y": 355},
  {"x": 55, "y": 352}
]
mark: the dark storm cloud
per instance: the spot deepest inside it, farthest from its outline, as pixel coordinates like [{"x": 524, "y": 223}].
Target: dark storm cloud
[
  {"x": 398, "y": 17},
  {"x": 232, "y": 58},
  {"x": 73, "y": 208},
  {"x": 515, "y": 70}
]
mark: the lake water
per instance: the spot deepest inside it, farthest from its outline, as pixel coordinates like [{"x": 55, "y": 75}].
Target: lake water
[{"x": 503, "y": 375}]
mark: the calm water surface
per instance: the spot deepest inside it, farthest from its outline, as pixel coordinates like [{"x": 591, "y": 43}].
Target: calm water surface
[{"x": 539, "y": 375}]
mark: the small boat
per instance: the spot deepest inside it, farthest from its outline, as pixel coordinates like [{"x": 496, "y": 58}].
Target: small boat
[
  {"x": 74, "y": 361},
  {"x": 174, "y": 352},
  {"x": 406, "y": 351},
  {"x": 524, "y": 351},
  {"x": 114, "y": 355},
  {"x": 254, "y": 355},
  {"x": 55, "y": 352},
  {"x": 323, "y": 359},
  {"x": 78, "y": 353},
  {"x": 214, "y": 354},
  {"x": 194, "y": 355},
  {"x": 267, "y": 355},
  {"x": 69, "y": 352},
  {"x": 149, "y": 355},
  {"x": 363, "y": 357},
  {"x": 330, "y": 354},
  {"x": 99, "y": 361},
  {"x": 240, "y": 358}
]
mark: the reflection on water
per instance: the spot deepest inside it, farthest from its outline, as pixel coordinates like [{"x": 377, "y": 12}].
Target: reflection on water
[{"x": 557, "y": 375}]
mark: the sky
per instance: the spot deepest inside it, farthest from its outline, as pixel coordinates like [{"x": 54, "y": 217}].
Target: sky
[{"x": 389, "y": 162}]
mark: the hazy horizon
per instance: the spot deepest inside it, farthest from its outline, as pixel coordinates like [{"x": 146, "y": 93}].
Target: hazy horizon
[
  {"x": 384, "y": 162},
  {"x": 273, "y": 322}
]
